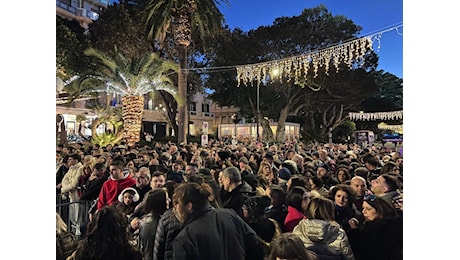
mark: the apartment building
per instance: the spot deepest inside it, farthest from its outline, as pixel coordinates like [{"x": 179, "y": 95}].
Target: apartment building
[{"x": 84, "y": 11}]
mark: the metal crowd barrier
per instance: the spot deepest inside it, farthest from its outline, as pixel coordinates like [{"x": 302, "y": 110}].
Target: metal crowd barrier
[{"x": 62, "y": 207}]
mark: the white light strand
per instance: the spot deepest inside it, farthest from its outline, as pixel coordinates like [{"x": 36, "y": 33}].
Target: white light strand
[
  {"x": 293, "y": 67},
  {"x": 394, "y": 115},
  {"x": 396, "y": 128}
]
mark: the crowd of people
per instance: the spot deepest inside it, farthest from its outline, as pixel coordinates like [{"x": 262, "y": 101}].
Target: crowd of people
[{"x": 229, "y": 201}]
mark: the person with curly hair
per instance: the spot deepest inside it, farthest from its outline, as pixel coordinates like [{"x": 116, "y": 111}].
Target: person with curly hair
[{"x": 107, "y": 238}]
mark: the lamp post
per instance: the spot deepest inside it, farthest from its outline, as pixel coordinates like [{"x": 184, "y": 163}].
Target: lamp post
[
  {"x": 234, "y": 119},
  {"x": 257, "y": 116}
]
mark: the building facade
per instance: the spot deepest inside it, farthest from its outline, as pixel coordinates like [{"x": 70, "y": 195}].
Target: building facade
[{"x": 84, "y": 11}]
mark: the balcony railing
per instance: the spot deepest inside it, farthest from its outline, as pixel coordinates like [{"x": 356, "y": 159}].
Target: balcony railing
[
  {"x": 204, "y": 114},
  {"x": 78, "y": 11}
]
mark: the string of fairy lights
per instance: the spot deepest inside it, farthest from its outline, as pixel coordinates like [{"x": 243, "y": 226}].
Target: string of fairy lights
[
  {"x": 349, "y": 52},
  {"x": 396, "y": 128},
  {"x": 392, "y": 115}
]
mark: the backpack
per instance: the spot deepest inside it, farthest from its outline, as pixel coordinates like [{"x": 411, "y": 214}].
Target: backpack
[
  {"x": 66, "y": 244},
  {"x": 324, "y": 252}
]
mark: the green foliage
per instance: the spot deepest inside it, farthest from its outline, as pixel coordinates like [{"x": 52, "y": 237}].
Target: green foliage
[
  {"x": 108, "y": 116},
  {"x": 104, "y": 139},
  {"x": 343, "y": 131},
  {"x": 390, "y": 94},
  {"x": 131, "y": 76},
  {"x": 121, "y": 25},
  {"x": 173, "y": 19},
  {"x": 70, "y": 43},
  {"x": 389, "y": 97}
]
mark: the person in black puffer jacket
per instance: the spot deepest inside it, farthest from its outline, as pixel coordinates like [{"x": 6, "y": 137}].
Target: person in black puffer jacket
[{"x": 167, "y": 229}]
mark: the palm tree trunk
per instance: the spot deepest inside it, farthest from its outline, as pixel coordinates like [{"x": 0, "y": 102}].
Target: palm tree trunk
[
  {"x": 132, "y": 110},
  {"x": 182, "y": 85},
  {"x": 62, "y": 134}
]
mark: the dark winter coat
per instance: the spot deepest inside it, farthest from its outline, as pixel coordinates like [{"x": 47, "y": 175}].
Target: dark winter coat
[
  {"x": 329, "y": 181},
  {"x": 235, "y": 199},
  {"x": 342, "y": 215},
  {"x": 147, "y": 231},
  {"x": 277, "y": 213},
  {"x": 217, "y": 234},
  {"x": 378, "y": 240},
  {"x": 142, "y": 191},
  {"x": 93, "y": 188},
  {"x": 167, "y": 229}
]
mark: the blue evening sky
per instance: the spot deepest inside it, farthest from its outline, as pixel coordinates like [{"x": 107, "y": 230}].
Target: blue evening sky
[{"x": 372, "y": 15}]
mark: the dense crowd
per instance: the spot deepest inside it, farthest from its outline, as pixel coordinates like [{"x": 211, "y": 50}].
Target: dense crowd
[{"x": 229, "y": 200}]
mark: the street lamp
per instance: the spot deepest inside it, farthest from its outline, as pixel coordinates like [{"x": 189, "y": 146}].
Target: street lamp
[
  {"x": 234, "y": 119},
  {"x": 257, "y": 116}
]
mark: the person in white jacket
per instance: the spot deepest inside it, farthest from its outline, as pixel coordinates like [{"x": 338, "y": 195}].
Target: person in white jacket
[
  {"x": 321, "y": 234},
  {"x": 69, "y": 189}
]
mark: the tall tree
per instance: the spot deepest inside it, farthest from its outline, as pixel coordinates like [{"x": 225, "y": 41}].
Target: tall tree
[
  {"x": 389, "y": 97},
  {"x": 314, "y": 91},
  {"x": 131, "y": 78},
  {"x": 179, "y": 19},
  {"x": 122, "y": 25},
  {"x": 70, "y": 44}
]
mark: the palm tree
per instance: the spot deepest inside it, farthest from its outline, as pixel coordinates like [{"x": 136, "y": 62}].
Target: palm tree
[
  {"x": 132, "y": 79},
  {"x": 107, "y": 116},
  {"x": 177, "y": 17}
]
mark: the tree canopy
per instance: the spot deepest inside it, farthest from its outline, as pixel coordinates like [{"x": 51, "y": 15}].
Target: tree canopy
[{"x": 325, "y": 97}]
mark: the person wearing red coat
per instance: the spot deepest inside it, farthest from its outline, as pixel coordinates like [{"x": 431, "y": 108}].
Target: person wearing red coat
[{"x": 117, "y": 182}]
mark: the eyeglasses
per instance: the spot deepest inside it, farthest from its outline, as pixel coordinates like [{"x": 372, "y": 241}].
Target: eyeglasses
[{"x": 370, "y": 197}]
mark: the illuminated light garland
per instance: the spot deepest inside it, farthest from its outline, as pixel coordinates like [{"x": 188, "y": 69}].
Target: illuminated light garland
[
  {"x": 294, "y": 67},
  {"x": 394, "y": 115},
  {"x": 132, "y": 110},
  {"x": 396, "y": 128},
  {"x": 350, "y": 53}
]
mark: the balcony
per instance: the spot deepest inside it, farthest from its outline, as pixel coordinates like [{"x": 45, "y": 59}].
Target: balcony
[{"x": 79, "y": 12}]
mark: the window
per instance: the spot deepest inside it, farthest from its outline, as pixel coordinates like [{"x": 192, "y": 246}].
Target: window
[
  {"x": 205, "y": 108},
  {"x": 192, "y": 106}
]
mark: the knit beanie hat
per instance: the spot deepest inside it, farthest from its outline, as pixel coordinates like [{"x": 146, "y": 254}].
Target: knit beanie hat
[{"x": 284, "y": 174}]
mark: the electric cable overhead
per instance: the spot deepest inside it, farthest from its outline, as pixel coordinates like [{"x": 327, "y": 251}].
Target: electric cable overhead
[{"x": 264, "y": 66}]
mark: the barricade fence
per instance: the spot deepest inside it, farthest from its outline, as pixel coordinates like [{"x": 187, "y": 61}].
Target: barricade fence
[{"x": 74, "y": 213}]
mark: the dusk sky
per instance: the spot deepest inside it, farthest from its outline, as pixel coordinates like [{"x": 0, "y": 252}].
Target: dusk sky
[{"x": 372, "y": 15}]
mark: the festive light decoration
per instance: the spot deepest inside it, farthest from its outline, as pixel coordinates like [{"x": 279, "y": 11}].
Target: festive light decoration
[
  {"x": 396, "y": 128},
  {"x": 132, "y": 110},
  {"x": 294, "y": 67},
  {"x": 132, "y": 91},
  {"x": 394, "y": 115}
]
